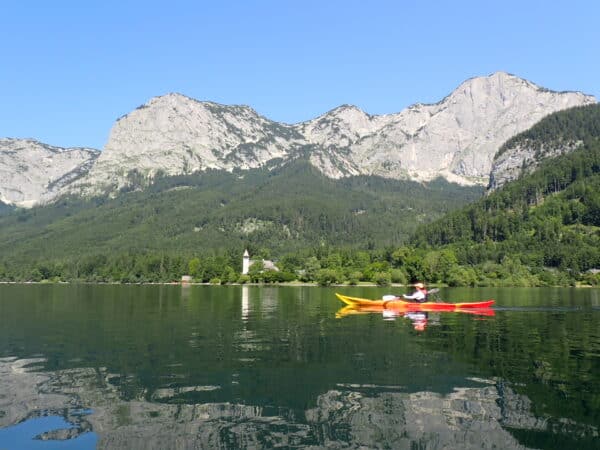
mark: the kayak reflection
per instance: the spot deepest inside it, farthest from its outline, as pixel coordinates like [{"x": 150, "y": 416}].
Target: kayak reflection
[{"x": 419, "y": 319}]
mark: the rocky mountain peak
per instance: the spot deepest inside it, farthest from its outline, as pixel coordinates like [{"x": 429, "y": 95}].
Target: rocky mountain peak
[
  {"x": 172, "y": 106},
  {"x": 31, "y": 171},
  {"x": 345, "y": 110},
  {"x": 340, "y": 127},
  {"x": 175, "y": 134}
]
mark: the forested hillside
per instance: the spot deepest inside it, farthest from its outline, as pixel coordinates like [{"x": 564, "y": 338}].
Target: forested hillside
[
  {"x": 547, "y": 220},
  {"x": 276, "y": 212}
]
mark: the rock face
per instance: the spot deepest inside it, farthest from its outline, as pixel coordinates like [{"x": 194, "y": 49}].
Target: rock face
[
  {"x": 455, "y": 138},
  {"x": 523, "y": 159},
  {"x": 31, "y": 172},
  {"x": 174, "y": 134}
]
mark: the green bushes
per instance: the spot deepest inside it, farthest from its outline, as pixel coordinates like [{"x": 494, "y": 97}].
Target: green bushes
[
  {"x": 243, "y": 279},
  {"x": 398, "y": 276},
  {"x": 382, "y": 278},
  {"x": 354, "y": 278},
  {"x": 461, "y": 276},
  {"x": 325, "y": 277}
]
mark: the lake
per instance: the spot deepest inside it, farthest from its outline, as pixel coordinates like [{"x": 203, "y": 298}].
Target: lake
[{"x": 178, "y": 367}]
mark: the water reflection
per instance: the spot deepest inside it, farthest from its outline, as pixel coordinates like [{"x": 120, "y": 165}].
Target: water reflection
[
  {"x": 34, "y": 414},
  {"x": 245, "y": 304},
  {"x": 238, "y": 367},
  {"x": 269, "y": 300},
  {"x": 47, "y": 433},
  {"x": 483, "y": 415}
]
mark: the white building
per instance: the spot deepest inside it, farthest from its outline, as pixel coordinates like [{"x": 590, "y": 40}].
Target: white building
[{"x": 247, "y": 262}]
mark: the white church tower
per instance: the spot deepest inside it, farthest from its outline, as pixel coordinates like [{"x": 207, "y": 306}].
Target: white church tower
[{"x": 245, "y": 263}]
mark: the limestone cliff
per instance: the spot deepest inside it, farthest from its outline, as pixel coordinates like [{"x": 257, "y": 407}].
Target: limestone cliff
[
  {"x": 456, "y": 138},
  {"x": 31, "y": 172}
]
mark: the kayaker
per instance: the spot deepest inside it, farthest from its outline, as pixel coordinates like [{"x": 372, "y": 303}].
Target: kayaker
[{"x": 420, "y": 294}]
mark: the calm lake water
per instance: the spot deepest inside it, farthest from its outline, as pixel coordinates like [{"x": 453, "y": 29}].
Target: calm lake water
[{"x": 171, "y": 367}]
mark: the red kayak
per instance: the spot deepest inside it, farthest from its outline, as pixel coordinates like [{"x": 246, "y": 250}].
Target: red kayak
[{"x": 403, "y": 305}]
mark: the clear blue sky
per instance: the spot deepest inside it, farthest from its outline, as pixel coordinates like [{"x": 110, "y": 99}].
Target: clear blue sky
[{"x": 69, "y": 69}]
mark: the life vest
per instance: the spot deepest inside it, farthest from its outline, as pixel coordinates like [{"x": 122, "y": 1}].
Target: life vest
[{"x": 424, "y": 292}]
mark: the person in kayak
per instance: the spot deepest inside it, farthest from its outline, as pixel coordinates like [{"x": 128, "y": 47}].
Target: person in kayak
[{"x": 420, "y": 294}]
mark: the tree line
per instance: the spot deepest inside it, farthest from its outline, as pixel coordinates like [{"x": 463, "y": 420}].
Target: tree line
[{"x": 452, "y": 265}]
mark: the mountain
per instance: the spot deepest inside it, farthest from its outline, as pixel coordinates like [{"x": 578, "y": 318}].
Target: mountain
[
  {"x": 176, "y": 135},
  {"x": 455, "y": 138},
  {"x": 542, "y": 228},
  {"x": 32, "y": 172},
  {"x": 171, "y": 135}
]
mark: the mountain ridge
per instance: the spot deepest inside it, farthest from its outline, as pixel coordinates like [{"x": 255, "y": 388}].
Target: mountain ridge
[{"x": 455, "y": 138}]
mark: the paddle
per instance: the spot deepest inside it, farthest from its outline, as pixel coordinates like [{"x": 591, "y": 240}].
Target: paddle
[{"x": 434, "y": 291}]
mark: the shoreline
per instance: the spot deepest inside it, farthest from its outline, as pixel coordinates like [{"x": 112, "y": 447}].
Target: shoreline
[
  {"x": 293, "y": 284},
  {"x": 179, "y": 283}
]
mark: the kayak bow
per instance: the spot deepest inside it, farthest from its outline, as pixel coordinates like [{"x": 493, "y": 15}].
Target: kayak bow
[{"x": 403, "y": 305}]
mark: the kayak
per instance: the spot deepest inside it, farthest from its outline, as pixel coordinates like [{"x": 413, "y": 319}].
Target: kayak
[{"x": 403, "y": 305}]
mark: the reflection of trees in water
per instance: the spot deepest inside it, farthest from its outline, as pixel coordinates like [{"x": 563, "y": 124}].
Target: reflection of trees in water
[{"x": 351, "y": 415}]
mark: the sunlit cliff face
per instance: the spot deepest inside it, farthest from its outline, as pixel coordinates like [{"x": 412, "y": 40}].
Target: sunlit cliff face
[{"x": 455, "y": 138}]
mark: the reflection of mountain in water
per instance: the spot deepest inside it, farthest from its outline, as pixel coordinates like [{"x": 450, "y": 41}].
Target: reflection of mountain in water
[{"x": 351, "y": 415}]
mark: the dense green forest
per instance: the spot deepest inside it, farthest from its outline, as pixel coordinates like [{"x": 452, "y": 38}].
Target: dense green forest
[{"x": 275, "y": 212}]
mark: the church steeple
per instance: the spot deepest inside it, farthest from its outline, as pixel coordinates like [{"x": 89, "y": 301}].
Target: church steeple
[{"x": 245, "y": 263}]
